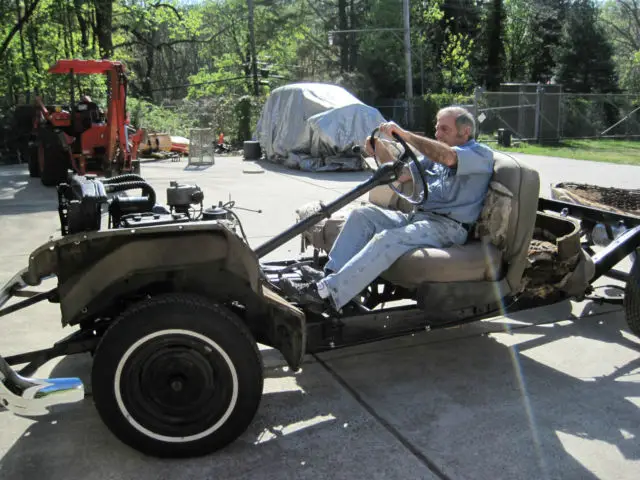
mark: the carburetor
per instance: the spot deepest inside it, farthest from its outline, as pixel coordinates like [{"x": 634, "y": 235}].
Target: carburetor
[{"x": 180, "y": 198}]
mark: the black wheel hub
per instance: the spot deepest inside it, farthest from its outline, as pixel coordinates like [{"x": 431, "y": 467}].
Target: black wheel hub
[{"x": 176, "y": 385}]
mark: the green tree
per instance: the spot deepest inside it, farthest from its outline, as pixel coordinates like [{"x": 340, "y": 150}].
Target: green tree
[
  {"x": 490, "y": 53},
  {"x": 548, "y": 17},
  {"x": 621, "y": 22},
  {"x": 519, "y": 43},
  {"x": 448, "y": 39},
  {"x": 584, "y": 60}
]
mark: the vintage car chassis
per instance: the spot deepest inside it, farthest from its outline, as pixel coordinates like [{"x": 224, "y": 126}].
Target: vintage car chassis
[
  {"x": 34, "y": 396},
  {"x": 353, "y": 325}
]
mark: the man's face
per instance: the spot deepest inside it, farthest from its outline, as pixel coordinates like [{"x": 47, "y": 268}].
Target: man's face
[{"x": 447, "y": 132}]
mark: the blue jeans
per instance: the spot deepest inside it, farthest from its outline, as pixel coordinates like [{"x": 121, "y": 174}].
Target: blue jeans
[{"x": 372, "y": 239}]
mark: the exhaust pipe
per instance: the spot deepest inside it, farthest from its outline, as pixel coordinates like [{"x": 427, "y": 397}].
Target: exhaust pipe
[{"x": 33, "y": 396}]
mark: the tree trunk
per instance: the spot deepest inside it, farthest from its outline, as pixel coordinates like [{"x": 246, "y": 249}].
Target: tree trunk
[
  {"x": 32, "y": 35},
  {"x": 353, "y": 42},
  {"x": 147, "y": 84},
  {"x": 495, "y": 47},
  {"x": 252, "y": 46},
  {"x": 82, "y": 23},
  {"x": 62, "y": 32},
  {"x": 8, "y": 70},
  {"x": 104, "y": 25},
  {"x": 344, "y": 43},
  {"x": 69, "y": 29},
  {"x": 94, "y": 35},
  {"x": 25, "y": 67}
]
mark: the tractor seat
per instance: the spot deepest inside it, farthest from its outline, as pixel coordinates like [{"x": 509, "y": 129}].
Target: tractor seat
[
  {"x": 87, "y": 113},
  {"x": 492, "y": 242}
]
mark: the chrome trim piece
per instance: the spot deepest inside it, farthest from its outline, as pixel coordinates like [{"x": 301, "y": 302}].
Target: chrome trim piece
[
  {"x": 15, "y": 283},
  {"x": 33, "y": 396}
]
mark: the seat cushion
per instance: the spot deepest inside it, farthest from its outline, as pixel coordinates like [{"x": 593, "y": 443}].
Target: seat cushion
[
  {"x": 473, "y": 261},
  {"x": 476, "y": 260}
]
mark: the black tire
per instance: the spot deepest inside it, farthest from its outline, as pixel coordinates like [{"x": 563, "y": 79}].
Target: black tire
[
  {"x": 177, "y": 376},
  {"x": 54, "y": 163},
  {"x": 136, "y": 167},
  {"x": 632, "y": 297},
  {"x": 34, "y": 168}
]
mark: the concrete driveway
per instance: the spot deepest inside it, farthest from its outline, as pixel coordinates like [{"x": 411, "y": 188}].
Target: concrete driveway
[{"x": 548, "y": 393}]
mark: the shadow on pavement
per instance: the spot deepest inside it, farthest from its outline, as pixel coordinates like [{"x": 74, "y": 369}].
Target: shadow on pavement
[
  {"x": 306, "y": 426},
  {"x": 538, "y": 402},
  {"x": 554, "y": 400},
  {"x": 197, "y": 168},
  {"x": 19, "y": 193}
]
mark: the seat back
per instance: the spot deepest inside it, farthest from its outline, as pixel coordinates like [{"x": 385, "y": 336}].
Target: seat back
[
  {"x": 516, "y": 184},
  {"x": 508, "y": 215}
]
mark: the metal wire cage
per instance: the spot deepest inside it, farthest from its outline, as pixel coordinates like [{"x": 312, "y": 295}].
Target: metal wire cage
[{"x": 202, "y": 146}]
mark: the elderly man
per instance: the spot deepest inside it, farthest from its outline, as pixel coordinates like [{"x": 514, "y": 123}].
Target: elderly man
[{"x": 458, "y": 170}]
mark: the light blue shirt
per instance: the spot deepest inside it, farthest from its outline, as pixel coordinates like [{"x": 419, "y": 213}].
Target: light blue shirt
[{"x": 459, "y": 192}]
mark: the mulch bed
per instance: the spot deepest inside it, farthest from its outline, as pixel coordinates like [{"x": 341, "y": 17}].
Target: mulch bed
[{"x": 625, "y": 200}]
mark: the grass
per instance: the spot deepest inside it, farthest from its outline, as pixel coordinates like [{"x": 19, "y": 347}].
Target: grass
[{"x": 605, "y": 150}]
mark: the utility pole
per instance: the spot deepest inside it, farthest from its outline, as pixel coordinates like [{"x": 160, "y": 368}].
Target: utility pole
[
  {"x": 252, "y": 45},
  {"x": 408, "y": 112},
  {"x": 407, "y": 56}
]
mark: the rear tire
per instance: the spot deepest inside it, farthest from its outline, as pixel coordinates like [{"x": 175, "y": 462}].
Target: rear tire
[
  {"x": 53, "y": 159},
  {"x": 632, "y": 297},
  {"x": 177, "y": 376},
  {"x": 34, "y": 167}
]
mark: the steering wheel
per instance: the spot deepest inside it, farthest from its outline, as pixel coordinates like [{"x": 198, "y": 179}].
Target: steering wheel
[{"x": 420, "y": 190}]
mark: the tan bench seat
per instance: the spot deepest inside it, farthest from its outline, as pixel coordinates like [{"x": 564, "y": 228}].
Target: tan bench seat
[{"x": 484, "y": 257}]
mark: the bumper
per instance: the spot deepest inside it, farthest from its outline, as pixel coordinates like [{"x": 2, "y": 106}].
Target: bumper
[{"x": 32, "y": 396}]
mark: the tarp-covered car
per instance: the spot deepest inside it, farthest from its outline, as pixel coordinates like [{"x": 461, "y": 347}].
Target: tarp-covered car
[{"x": 314, "y": 126}]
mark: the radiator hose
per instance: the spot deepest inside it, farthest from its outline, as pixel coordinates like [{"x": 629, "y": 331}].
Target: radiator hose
[
  {"x": 126, "y": 177},
  {"x": 132, "y": 185}
]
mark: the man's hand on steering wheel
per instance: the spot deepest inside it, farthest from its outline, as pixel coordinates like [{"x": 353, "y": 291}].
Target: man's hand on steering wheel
[
  {"x": 406, "y": 163},
  {"x": 389, "y": 128},
  {"x": 380, "y": 150}
]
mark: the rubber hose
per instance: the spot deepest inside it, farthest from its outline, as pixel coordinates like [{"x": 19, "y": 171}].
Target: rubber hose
[
  {"x": 146, "y": 188},
  {"x": 126, "y": 177}
]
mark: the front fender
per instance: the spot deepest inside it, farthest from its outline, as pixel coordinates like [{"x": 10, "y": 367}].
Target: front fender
[
  {"x": 89, "y": 264},
  {"x": 97, "y": 269}
]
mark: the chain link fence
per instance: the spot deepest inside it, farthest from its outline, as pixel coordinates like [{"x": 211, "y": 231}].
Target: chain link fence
[
  {"x": 600, "y": 116},
  {"x": 545, "y": 114},
  {"x": 528, "y": 112}
]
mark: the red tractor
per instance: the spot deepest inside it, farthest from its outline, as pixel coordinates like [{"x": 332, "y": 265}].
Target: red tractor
[{"x": 81, "y": 137}]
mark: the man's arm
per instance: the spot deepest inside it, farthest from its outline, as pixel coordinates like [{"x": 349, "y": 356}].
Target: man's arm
[
  {"x": 436, "y": 151},
  {"x": 432, "y": 149}
]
